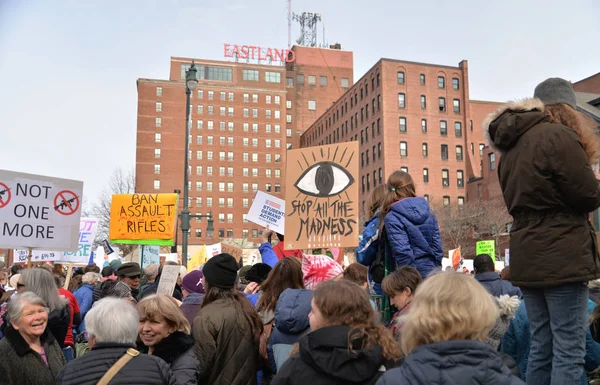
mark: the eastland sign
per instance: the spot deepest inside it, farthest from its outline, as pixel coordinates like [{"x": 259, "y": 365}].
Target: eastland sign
[{"x": 255, "y": 52}]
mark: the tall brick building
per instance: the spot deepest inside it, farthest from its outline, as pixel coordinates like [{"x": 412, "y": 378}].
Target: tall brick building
[
  {"x": 243, "y": 118},
  {"x": 414, "y": 117}
]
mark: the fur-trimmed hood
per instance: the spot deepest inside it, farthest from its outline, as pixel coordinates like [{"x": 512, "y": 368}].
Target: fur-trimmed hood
[{"x": 503, "y": 127}]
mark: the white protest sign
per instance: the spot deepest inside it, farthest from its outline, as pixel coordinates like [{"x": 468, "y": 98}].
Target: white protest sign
[
  {"x": 39, "y": 212},
  {"x": 267, "y": 210},
  {"x": 149, "y": 255},
  {"x": 87, "y": 233},
  {"x": 212, "y": 250},
  {"x": 168, "y": 279},
  {"x": 507, "y": 257}
]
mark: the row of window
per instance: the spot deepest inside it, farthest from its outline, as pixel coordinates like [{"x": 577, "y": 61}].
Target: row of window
[
  {"x": 364, "y": 156},
  {"x": 209, "y": 72},
  {"x": 458, "y": 132},
  {"x": 425, "y": 151},
  {"x": 377, "y": 176},
  {"x": 441, "y": 103},
  {"x": 221, "y": 233},
  {"x": 229, "y": 156},
  {"x": 441, "y": 81}
]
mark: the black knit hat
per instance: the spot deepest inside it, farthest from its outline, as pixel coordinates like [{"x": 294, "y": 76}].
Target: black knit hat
[
  {"x": 258, "y": 273},
  {"x": 221, "y": 271}
]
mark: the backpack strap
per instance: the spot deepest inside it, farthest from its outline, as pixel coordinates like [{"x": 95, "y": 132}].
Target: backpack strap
[{"x": 117, "y": 366}]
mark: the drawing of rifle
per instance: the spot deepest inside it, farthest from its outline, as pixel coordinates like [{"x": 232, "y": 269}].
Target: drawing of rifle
[{"x": 63, "y": 204}]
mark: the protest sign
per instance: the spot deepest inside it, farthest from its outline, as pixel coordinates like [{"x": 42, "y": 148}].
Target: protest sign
[
  {"x": 267, "y": 210},
  {"x": 486, "y": 247},
  {"x": 143, "y": 219},
  {"x": 212, "y": 250},
  {"x": 455, "y": 257},
  {"x": 507, "y": 257},
  {"x": 168, "y": 279},
  {"x": 321, "y": 197},
  {"x": 149, "y": 255},
  {"x": 87, "y": 233},
  {"x": 39, "y": 212}
]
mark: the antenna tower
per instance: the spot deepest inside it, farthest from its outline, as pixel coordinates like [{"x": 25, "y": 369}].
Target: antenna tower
[{"x": 308, "y": 24}]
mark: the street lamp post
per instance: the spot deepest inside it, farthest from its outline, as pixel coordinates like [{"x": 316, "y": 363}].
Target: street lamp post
[{"x": 191, "y": 82}]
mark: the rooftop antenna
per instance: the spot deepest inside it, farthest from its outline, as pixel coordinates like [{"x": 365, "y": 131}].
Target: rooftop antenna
[
  {"x": 308, "y": 23},
  {"x": 289, "y": 24}
]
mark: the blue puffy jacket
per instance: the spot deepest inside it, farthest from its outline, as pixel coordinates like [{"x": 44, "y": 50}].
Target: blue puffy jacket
[
  {"x": 414, "y": 235},
  {"x": 291, "y": 323},
  {"x": 366, "y": 252},
  {"x": 85, "y": 299}
]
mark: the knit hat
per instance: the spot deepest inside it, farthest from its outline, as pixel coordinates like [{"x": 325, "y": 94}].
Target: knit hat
[
  {"x": 258, "y": 273},
  {"x": 221, "y": 271},
  {"x": 508, "y": 306},
  {"x": 115, "y": 264},
  {"x": 12, "y": 282},
  {"x": 554, "y": 91},
  {"x": 318, "y": 269},
  {"x": 129, "y": 269},
  {"x": 192, "y": 282}
]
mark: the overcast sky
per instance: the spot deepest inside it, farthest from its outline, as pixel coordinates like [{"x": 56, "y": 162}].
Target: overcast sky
[{"x": 68, "y": 69}]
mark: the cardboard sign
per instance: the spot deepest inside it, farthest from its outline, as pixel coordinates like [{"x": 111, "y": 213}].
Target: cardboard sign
[
  {"x": 486, "y": 247},
  {"x": 39, "y": 212},
  {"x": 168, "y": 279},
  {"x": 321, "y": 197},
  {"x": 267, "y": 210},
  {"x": 143, "y": 219},
  {"x": 149, "y": 255}
]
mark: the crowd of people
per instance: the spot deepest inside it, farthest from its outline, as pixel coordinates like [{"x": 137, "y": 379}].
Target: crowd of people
[{"x": 391, "y": 318}]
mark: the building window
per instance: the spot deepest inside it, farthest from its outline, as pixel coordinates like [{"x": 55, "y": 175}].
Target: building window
[
  {"x": 403, "y": 149},
  {"x": 289, "y": 82},
  {"x": 200, "y": 124},
  {"x": 209, "y": 186},
  {"x": 268, "y": 114},
  {"x": 230, "y": 111},
  {"x": 288, "y": 132},
  {"x": 222, "y": 96},
  {"x": 460, "y": 178},
  {"x": 446, "y": 200},
  {"x": 323, "y": 81},
  {"x": 158, "y": 122},
  {"x": 200, "y": 94},
  {"x": 455, "y": 83},
  {"x": 209, "y": 140},
  {"x": 422, "y": 79},
  {"x": 157, "y": 137},
  {"x": 423, "y": 102},
  {"x": 300, "y": 79},
  {"x": 461, "y": 201},
  {"x": 456, "y": 106},
  {"x": 254, "y": 98},
  {"x": 426, "y": 196},
  {"x": 157, "y": 168},
  {"x": 254, "y": 127},
  {"x": 444, "y": 152},
  {"x": 209, "y": 170},
  {"x": 401, "y": 100},
  {"x": 458, "y": 129},
  {"x": 445, "y": 178},
  {"x": 277, "y": 187},
  {"x": 199, "y": 154},
  {"x": 441, "y": 82},
  {"x": 442, "y": 104},
  {"x": 425, "y": 175},
  {"x": 288, "y": 118},
  {"x": 198, "y": 170},
  {"x": 345, "y": 83},
  {"x": 211, "y": 110},
  {"x": 312, "y": 80},
  {"x": 250, "y": 75},
  {"x": 268, "y": 99},
  {"x": 158, "y": 106},
  {"x": 423, "y": 125},
  {"x": 222, "y": 111},
  {"x": 272, "y": 77},
  {"x": 221, "y": 217},
  {"x": 400, "y": 77},
  {"x": 459, "y": 153},
  {"x": 277, "y": 99},
  {"x": 404, "y": 169},
  {"x": 158, "y": 91},
  {"x": 157, "y": 152},
  {"x": 200, "y": 109},
  {"x": 288, "y": 104},
  {"x": 312, "y": 105},
  {"x": 443, "y": 128},
  {"x": 209, "y": 202},
  {"x": 156, "y": 184},
  {"x": 425, "y": 151},
  {"x": 211, "y": 95},
  {"x": 481, "y": 147},
  {"x": 492, "y": 158},
  {"x": 198, "y": 186},
  {"x": 255, "y": 142},
  {"x": 379, "y": 151}
]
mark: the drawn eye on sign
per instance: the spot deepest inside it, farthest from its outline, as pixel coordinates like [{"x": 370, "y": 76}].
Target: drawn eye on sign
[{"x": 324, "y": 180}]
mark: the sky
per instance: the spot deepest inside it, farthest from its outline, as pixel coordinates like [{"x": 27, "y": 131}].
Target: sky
[{"x": 68, "y": 68}]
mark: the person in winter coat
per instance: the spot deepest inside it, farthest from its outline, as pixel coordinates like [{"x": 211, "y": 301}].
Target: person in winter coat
[
  {"x": 366, "y": 252},
  {"x": 291, "y": 323},
  {"x": 74, "y": 318},
  {"x": 485, "y": 274},
  {"x": 30, "y": 355},
  {"x": 227, "y": 329},
  {"x": 346, "y": 344},
  {"x": 412, "y": 229},
  {"x": 107, "y": 274},
  {"x": 268, "y": 257},
  {"x": 279, "y": 249},
  {"x": 547, "y": 149},
  {"x": 400, "y": 286},
  {"x": 193, "y": 292},
  {"x": 516, "y": 342},
  {"x": 442, "y": 336},
  {"x": 85, "y": 296},
  {"x": 165, "y": 333}
]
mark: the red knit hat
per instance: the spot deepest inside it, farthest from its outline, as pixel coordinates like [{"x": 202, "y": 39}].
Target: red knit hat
[{"x": 318, "y": 269}]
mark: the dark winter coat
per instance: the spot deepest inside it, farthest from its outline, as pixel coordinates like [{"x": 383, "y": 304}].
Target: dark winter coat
[
  {"x": 227, "y": 350},
  {"x": 452, "y": 363},
  {"x": 291, "y": 323},
  {"x": 549, "y": 188},
  {"x": 58, "y": 324},
  {"x": 141, "y": 370},
  {"x": 191, "y": 306},
  {"x": 414, "y": 235},
  {"x": 324, "y": 358},
  {"x": 177, "y": 350},
  {"x": 21, "y": 365},
  {"x": 496, "y": 286}
]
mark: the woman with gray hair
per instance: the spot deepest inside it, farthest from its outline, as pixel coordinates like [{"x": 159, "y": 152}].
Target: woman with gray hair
[
  {"x": 112, "y": 328},
  {"x": 30, "y": 354},
  {"x": 85, "y": 296}
]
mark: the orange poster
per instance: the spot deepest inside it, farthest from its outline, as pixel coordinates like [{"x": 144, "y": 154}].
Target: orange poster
[{"x": 321, "y": 197}]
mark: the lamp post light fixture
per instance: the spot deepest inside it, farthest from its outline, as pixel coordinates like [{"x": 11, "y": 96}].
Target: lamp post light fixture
[{"x": 191, "y": 82}]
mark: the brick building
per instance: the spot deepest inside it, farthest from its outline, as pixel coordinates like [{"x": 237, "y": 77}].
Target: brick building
[
  {"x": 411, "y": 116},
  {"x": 243, "y": 117}
]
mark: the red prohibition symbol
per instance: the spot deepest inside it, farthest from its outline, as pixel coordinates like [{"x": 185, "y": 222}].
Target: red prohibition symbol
[
  {"x": 66, "y": 202},
  {"x": 4, "y": 195}
]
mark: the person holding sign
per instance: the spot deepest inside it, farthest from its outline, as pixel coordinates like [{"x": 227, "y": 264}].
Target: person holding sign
[{"x": 545, "y": 171}]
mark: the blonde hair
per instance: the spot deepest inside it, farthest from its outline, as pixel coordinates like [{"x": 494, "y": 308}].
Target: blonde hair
[
  {"x": 446, "y": 307},
  {"x": 157, "y": 306}
]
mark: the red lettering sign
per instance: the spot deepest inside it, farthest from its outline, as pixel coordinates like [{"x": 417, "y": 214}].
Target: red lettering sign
[{"x": 254, "y": 52}]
